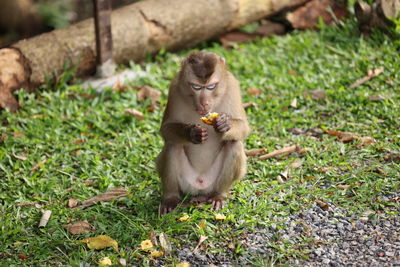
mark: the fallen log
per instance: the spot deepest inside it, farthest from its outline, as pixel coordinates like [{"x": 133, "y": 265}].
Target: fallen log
[{"x": 138, "y": 29}]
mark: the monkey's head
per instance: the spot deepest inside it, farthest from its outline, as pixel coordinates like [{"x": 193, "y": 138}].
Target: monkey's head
[{"x": 203, "y": 75}]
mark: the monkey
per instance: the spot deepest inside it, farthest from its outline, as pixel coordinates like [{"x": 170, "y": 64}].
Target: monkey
[{"x": 199, "y": 159}]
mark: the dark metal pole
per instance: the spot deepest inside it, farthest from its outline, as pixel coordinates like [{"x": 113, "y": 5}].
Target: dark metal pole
[{"x": 102, "y": 21}]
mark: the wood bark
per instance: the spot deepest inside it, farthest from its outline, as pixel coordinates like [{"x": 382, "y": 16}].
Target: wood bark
[
  {"x": 138, "y": 29},
  {"x": 377, "y": 15}
]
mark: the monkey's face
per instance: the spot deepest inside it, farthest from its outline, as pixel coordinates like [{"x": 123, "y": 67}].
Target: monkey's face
[{"x": 203, "y": 74}]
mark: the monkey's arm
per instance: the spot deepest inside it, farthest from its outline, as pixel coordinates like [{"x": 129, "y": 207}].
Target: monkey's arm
[
  {"x": 239, "y": 129},
  {"x": 176, "y": 132}
]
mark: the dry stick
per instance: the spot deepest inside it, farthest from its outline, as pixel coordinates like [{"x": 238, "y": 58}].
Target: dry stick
[
  {"x": 285, "y": 150},
  {"x": 255, "y": 152},
  {"x": 45, "y": 218},
  {"x": 371, "y": 75}
]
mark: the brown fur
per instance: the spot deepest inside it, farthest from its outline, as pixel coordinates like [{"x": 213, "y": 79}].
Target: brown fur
[{"x": 202, "y": 64}]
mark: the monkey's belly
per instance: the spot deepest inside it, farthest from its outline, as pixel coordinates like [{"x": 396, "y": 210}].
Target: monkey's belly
[{"x": 200, "y": 171}]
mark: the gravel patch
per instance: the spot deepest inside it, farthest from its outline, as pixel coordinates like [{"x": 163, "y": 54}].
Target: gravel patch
[{"x": 339, "y": 239}]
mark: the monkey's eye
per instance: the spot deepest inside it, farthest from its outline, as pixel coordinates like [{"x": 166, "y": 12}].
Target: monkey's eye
[
  {"x": 211, "y": 86},
  {"x": 196, "y": 86}
]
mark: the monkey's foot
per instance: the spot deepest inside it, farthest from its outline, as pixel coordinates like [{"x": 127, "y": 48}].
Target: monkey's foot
[
  {"x": 198, "y": 199},
  {"x": 169, "y": 204},
  {"x": 217, "y": 203}
]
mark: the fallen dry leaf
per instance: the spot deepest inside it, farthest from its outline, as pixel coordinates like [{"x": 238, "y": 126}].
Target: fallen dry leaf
[
  {"x": 392, "y": 156},
  {"x": 135, "y": 113},
  {"x": 87, "y": 96},
  {"x": 79, "y": 227},
  {"x": 219, "y": 217},
  {"x": 270, "y": 28},
  {"x": 156, "y": 253},
  {"x": 184, "y": 218},
  {"x": 147, "y": 92},
  {"x": 153, "y": 237},
  {"x": 183, "y": 264},
  {"x": 72, "y": 203},
  {"x": 380, "y": 171},
  {"x": 21, "y": 156},
  {"x": 309, "y": 15},
  {"x": 100, "y": 242},
  {"x": 119, "y": 85},
  {"x": 201, "y": 240},
  {"x": 111, "y": 194},
  {"x": 88, "y": 182},
  {"x": 106, "y": 261},
  {"x": 282, "y": 151},
  {"x": 376, "y": 98},
  {"x": 296, "y": 164},
  {"x": 165, "y": 244},
  {"x": 255, "y": 152},
  {"x": 370, "y": 74},
  {"x": 346, "y": 137},
  {"x": 122, "y": 261},
  {"x": 230, "y": 38},
  {"x": 249, "y": 105},
  {"x": 343, "y": 136},
  {"x": 78, "y": 141},
  {"x": 322, "y": 204},
  {"x": 45, "y": 218},
  {"x": 146, "y": 245},
  {"x": 283, "y": 176},
  {"x": 18, "y": 134},
  {"x": 366, "y": 140},
  {"x": 293, "y": 104},
  {"x": 254, "y": 91},
  {"x": 37, "y": 116},
  {"x": 343, "y": 186},
  {"x": 38, "y": 165}
]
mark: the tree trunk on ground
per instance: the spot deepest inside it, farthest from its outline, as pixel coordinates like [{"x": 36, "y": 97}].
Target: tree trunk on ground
[
  {"x": 377, "y": 15},
  {"x": 138, "y": 29}
]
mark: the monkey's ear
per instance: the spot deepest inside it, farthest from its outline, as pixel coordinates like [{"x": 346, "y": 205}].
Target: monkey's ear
[{"x": 223, "y": 60}]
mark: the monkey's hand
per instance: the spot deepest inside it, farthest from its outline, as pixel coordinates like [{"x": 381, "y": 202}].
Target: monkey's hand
[
  {"x": 222, "y": 123},
  {"x": 197, "y": 134}
]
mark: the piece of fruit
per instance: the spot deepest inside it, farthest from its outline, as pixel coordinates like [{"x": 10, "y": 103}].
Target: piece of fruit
[{"x": 210, "y": 118}]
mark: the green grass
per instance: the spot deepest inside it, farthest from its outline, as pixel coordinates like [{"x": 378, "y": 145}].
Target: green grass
[{"x": 120, "y": 151}]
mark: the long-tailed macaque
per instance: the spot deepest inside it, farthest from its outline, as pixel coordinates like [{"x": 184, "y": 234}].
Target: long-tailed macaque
[{"x": 199, "y": 159}]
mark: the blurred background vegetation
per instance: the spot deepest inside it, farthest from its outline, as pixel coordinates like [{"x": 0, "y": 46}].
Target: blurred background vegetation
[{"x": 25, "y": 18}]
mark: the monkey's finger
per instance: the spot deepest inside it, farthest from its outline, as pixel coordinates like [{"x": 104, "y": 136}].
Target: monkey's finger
[
  {"x": 217, "y": 205},
  {"x": 223, "y": 128}
]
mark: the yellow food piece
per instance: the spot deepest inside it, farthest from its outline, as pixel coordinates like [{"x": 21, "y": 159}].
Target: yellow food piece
[
  {"x": 183, "y": 264},
  {"x": 184, "y": 218},
  {"x": 105, "y": 262},
  {"x": 210, "y": 118},
  {"x": 220, "y": 217},
  {"x": 146, "y": 245},
  {"x": 157, "y": 253},
  {"x": 100, "y": 242}
]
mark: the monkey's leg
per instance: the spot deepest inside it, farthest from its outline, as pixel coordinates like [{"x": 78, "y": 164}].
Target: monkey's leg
[
  {"x": 176, "y": 173},
  {"x": 233, "y": 168},
  {"x": 168, "y": 170}
]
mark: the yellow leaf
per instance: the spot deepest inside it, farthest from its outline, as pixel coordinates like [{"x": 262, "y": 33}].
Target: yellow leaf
[
  {"x": 220, "y": 217},
  {"x": 183, "y": 264},
  {"x": 184, "y": 218},
  {"x": 156, "y": 253},
  {"x": 100, "y": 242},
  {"x": 105, "y": 262},
  {"x": 146, "y": 245},
  {"x": 203, "y": 224}
]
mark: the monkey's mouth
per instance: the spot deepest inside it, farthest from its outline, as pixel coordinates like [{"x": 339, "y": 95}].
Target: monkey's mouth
[{"x": 203, "y": 112}]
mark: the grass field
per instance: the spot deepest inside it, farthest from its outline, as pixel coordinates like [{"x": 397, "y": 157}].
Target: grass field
[{"x": 84, "y": 135}]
